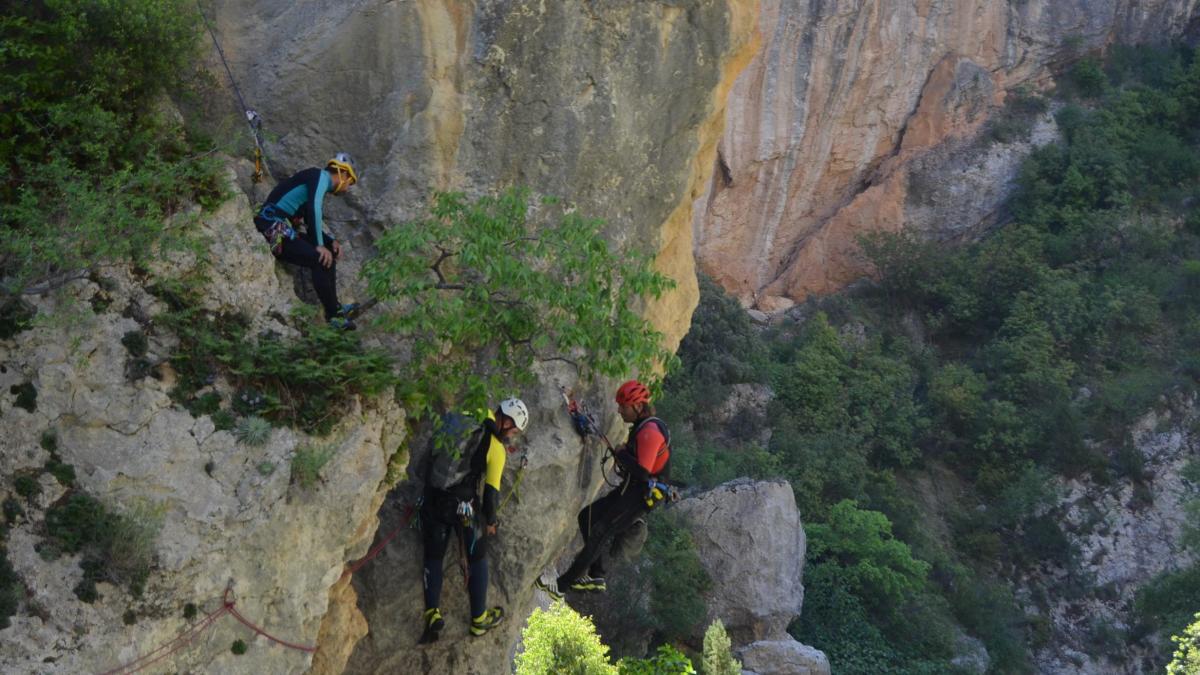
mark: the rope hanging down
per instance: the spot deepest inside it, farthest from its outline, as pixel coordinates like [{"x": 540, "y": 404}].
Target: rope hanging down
[
  {"x": 253, "y": 119},
  {"x": 195, "y": 630}
]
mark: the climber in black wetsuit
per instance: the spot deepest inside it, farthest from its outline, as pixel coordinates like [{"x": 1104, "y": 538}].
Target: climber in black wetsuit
[{"x": 301, "y": 196}]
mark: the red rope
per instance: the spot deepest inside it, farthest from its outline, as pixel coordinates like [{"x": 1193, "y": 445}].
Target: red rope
[
  {"x": 180, "y": 641},
  {"x": 188, "y": 636},
  {"x": 409, "y": 512}
]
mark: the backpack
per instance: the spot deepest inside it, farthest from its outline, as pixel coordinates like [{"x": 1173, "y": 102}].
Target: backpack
[{"x": 454, "y": 452}]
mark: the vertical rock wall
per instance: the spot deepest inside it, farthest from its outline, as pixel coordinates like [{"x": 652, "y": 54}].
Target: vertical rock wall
[{"x": 844, "y": 94}]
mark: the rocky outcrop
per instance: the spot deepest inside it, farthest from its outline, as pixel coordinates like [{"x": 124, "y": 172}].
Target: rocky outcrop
[
  {"x": 615, "y": 107},
  {"x": 230, "y": 517},
  {"x": 751, "y": 542},
  {"x": 1126, "y": 534},
  {"x": 844, "y": 96}
]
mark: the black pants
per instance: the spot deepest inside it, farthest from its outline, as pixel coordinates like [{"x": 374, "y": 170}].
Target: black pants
[
  {"x": 609, "y": 516},
  {"x": 439, "y": 523},
  {"x": 302, "y": 251}
]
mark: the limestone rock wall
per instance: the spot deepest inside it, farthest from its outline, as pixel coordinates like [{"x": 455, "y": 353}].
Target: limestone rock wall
[
  {"x": 229, "y": 513},
  {"x": 824, "y": 123},
  {"x": 1125, "y": 536},
  {"x": 616, "y": 106},
  {"x": 751, "y": 542}
]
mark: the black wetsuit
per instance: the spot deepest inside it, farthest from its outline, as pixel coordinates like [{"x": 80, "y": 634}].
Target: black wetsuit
[{"x": 303, "y": 194}]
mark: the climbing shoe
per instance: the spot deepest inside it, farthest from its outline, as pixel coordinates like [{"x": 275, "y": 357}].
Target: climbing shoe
[
  {"x": 487, "y": 621},
  {"x": 586, "y": 583},
  {"x": 433, "y": 625},
  {"x": 550, "y": 588},
  {"x": 342, "y": 323}
]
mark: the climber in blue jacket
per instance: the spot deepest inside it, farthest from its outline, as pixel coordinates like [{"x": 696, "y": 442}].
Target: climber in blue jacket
[{"x": 301, "y": 197}]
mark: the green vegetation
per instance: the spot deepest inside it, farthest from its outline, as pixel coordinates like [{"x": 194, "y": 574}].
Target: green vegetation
[
  {"x": 305, "y": 382},
  {"x": 308, "y": 462},
  {"x": 117, "y": 546},
  {"x": 189, "y": 611},
  {"x": 1186, "y": 660},
  {"x": 253, "y": 431},
  {"x": 718, "y": 658},
  {"x": 990, "y": 369},
  {"x": 559, "y": 640},
  {"x": 11, "y": 589},
  {"x": 27, "y": 486},
  {"x": 92, "y": 160},
  {"x": 666, "y": 661},
  {"x": 15, "y": 316},
  {"x": 483, "y": 289},
  {"x": 26, "y": 396},
  {"x": 238, "y": 647}
]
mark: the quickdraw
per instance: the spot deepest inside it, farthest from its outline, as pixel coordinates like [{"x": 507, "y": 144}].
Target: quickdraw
[{"x": 585, "y": 425}]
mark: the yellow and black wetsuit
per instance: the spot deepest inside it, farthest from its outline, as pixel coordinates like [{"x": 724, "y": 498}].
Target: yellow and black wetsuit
[{"x": 440, "y": 517}]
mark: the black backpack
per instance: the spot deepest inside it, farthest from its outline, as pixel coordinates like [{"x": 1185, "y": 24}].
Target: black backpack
[{"x": 455, "y": 454}]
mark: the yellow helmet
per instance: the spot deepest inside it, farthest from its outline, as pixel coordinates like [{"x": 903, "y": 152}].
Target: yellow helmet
[{"x": 343, "y": 162}]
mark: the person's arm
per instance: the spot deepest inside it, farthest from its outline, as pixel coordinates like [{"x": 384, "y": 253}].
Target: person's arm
[
  {"x": 318, "y": 185},
  {"x": 491, "y": 480}
]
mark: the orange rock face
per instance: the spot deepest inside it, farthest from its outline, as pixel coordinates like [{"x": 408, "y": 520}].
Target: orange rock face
[{"x": 845, "y": 95}]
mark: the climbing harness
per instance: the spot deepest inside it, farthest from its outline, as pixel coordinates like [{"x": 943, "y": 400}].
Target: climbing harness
[{"x": 253, "y": 119}]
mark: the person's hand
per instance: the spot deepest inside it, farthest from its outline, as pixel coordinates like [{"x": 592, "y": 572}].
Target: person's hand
[
  {"x": 491, "y": 529},
  {"x": 325, "y": 256},
  {"x": 337, "y": 250}
]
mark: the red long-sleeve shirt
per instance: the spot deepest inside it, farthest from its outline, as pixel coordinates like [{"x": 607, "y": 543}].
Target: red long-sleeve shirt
[{"x": 649, "y": 447}]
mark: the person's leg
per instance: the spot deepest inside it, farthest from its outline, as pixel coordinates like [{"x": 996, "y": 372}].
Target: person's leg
[
  {"x": 302, "y": 252},
  {"x": 615, "y": 513},
  {"x": 435, "y": 535},
  {"x": 477, "y": 572}
]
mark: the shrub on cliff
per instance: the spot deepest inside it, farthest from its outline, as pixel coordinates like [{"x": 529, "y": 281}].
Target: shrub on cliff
[
  {"x": 484, "y": 289},
  {"x": 92, "y": 163},
  {"x": 559, "y": 640}
]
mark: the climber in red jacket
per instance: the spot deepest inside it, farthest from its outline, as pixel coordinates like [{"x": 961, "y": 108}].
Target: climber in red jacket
[{"x": 644, "y": 461}]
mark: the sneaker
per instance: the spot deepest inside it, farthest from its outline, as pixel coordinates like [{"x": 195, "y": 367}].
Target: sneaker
[
  {"x": 487, "y": 621},
  {"x": 433, "y": 625},
  {"x": 349, "y": 310},
  {"x": 551, "y": 588},
  {"x": 586, "y": 583},
  {"x": 342, "y": 323}
]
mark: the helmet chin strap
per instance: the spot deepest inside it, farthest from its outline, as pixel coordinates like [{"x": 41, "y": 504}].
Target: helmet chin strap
[{"x": 342, "y": 180}]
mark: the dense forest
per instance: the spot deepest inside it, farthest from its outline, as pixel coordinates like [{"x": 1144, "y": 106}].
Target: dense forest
[{"x": 998, "y": 367}]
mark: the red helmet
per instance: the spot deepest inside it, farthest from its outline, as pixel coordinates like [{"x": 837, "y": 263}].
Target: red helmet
[{"x": 632, "y": 393}]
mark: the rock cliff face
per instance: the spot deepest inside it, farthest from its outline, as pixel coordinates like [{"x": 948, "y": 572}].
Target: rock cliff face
[
  {"x": 824, "y": 124},
  {"x": 1125, "y": 536},
  {"x": 228, "y": 512},
  {"x": 615, "y": 106},
  {"x": 751, "y": 542}
]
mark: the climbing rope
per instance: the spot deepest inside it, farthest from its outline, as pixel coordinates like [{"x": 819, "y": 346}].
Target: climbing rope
[
  {"x": 410, "y": 511},
  {"x": 253, "y": 119},
  {"x": 228, "y": 606}
]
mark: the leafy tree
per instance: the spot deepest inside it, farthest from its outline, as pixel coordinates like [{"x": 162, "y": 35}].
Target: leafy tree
[
  {"x": 559, "y": 640},
  {"x": 874, "y": 565},
  {"x": 667, "y": 661},
  {"x": 1186, "y": 659},
  {"x": 483, "y": 289},
  {"x": 677, "y": 578},
  {"x": 718, "y": 657}
]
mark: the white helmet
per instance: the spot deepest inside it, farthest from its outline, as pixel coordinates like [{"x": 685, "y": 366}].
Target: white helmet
[{"x": 515, "y": 408}]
